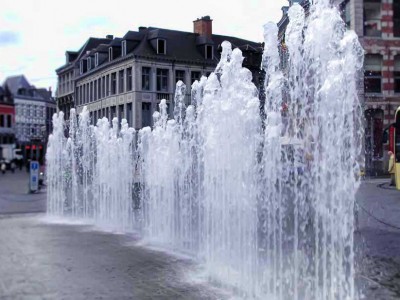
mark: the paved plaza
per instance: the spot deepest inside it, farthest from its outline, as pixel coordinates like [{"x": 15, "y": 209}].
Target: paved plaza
[{"x": 44, "y": 260}]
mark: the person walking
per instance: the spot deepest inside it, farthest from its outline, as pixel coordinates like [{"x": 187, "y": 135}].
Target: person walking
[
  {"x": 3, "y": 167},
  {"x": 392, "y": 167}
]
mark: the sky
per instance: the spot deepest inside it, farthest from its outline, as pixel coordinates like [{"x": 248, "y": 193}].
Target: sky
[{"x": 34, "y": 34}]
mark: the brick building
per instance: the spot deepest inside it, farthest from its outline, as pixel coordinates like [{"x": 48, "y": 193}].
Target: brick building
[
  {"x": 377, "y": 23},
  {"x": 7, "y": 117}
]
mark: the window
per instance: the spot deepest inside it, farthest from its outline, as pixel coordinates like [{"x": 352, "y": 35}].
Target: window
[
  {"x": 209, "y": 52},
  {"x": 113, "y": 83},
  {"x": 99, "y": 88},
  {"x": 146, "y": 78},
  {"x": 123, "y": 48},
  {"x": 103, "y": 87},
  {"x": 195, "y": 75},
  {"x": 146, "y": 114},
  {"x": 82, "y": 101},
  {"x": 129, "y": 79},
  {"x": 397, "y": 74},
  {"x": 372, "y": 18},
  {"x": 2, "y": 121},
  {"x": 81, "y": 67},
  {"x": 162, "y": 80},
  {"x": 96, "y": 59},
  {"x": 95, "y": 91},
  {"x": 9, "y": 121},
  {"x": 373, "y": 73},
  {"x": 161, "y": 46},
  {"x": 110, "y": 54},
  {"x": 91, "y": 92},
  {"x": 107, "y": 85},
  {"x": 121, "y": 87},
  {"x": 396, "y": 18},
  {"x": 179, "y": 75},
  {"x": 346, "y": 13},
  {"x": 89, "y": 63}
]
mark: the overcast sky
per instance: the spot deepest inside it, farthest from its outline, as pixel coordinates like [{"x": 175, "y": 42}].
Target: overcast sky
[{"x": 34, "y": 34}]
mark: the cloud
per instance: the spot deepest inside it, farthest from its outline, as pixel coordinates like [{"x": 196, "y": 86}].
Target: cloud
[{"x": 9, "y": 38}]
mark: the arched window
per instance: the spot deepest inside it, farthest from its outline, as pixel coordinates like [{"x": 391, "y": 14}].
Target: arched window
[{"x": 373, "y": 73}]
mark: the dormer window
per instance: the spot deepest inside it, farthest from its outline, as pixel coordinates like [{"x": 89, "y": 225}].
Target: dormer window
[
  {"x": 96, "y": 59},
  {"x": 89, "y": 63},
  {"x": 110, "y": 54},
  {"x": 123, "y": 47},
  {"x": 161, "y": 46},
  {"x": 209, "y": 52}
]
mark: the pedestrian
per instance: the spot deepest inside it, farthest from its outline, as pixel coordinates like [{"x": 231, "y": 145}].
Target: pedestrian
[
  {"x": 12, "y": 166},
  {"x": 392, "y": 168},
  {"x": 3, "y": 167}
]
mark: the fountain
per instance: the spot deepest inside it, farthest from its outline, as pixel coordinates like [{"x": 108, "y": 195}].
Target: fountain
[{"x": 265, "y": 206}]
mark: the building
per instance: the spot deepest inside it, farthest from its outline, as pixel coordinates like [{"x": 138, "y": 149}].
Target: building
[
  {"x": 34, "y": 108},
  {"x": 67, "y": 73},
  {"x": 127, "y": 77},
  {"x": 377, "y": 24},
  {"x": 7, "y": 117}
]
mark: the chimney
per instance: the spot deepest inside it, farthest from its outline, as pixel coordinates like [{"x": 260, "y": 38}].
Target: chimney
[
  {"x": 109, "y": 36},
  {"x": 203, "y": 26},
  {"x": 142, "y": 28}
]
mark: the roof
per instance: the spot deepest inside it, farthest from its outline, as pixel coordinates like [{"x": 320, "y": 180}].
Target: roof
[
  {"x": 14, "y": 83},
  {"x": 184, "y": 45},
  {"x": 181, "y": 46},
  {"x": 90, "y": 44}
]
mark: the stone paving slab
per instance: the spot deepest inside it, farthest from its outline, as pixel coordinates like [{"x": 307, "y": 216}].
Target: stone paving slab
[
  {"x": 377, "y": 240},
  {"x": 14, "y": 195},
  {"x": 50, "y": 261}
]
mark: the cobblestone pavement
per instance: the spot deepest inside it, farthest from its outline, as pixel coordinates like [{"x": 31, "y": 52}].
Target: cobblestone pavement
[
  {"x": 15, "y": 197},
  {"x": 378, "y": 240},
  {"x": 50, "y": 261}
]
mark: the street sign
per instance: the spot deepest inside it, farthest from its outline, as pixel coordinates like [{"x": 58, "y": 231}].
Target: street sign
[{"x": 34, "y": 176}]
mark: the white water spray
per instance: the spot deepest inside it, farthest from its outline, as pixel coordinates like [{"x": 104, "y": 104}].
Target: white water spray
[{"x": 266, "y": 206}]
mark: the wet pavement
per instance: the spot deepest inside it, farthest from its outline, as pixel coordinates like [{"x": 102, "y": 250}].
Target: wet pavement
[
  {"x": 42, "y": 260},
  {"x": 378, "y": 240},
  {"x": 45, "y": 260},
  {"x": 15, "y": 196},
  {"x": 50, "y": 261}
]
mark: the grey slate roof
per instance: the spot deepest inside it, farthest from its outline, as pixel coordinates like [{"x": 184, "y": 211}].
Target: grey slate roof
[
  {"x": 184, "y": 45},
  {"x": 90, "y": 44},
  {"x": 180, "y": 46},
  {"x": 14, "y": 83}
]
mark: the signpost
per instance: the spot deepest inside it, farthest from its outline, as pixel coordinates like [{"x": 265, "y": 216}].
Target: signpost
[{"x": 34, "y": 176}]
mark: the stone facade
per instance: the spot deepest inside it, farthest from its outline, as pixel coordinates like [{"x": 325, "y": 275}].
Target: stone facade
[{"x": 128, "y": 77}]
